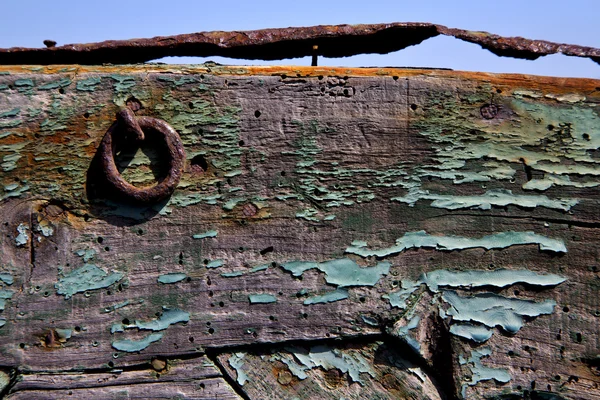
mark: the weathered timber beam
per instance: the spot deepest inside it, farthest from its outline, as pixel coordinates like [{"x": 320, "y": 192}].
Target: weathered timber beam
[{"x": 283, "y": 43}]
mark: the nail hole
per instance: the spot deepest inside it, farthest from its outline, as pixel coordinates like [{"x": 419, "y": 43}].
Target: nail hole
[
  {"x": 61, "y": 91},
  {"x": 550, "y": 127},
  {"x": 211, "y": 330},
  {"x": 282, "y": 173},
  {"x": 414, "y": 107},
  {"x": 199, "y": 164},
  {"x": 586, "y": 136},
  {"x": 202, "y": 385},
  {"x": 191, "y": 339},
  {"x": 100, "y": 239},
  {"x": 22, "y": 345},
  {"x": 257, "y": 113},
  {"x": 125, "y": 321},
  {"x": 395, "y": 77},
  {"x": 266, "y": 250},
  {"x": 77, "y": 329},
  {"x": 221, "y": 304},
  {"x": 86, "y": 115},
  {"x": 566, "y": 309},
  {"x": 107, "y": 248},
  {"x": 241, "y": 142}
]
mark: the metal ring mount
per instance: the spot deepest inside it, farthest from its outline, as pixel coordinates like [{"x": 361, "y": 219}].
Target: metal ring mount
[{"x": 128, "y": 122}]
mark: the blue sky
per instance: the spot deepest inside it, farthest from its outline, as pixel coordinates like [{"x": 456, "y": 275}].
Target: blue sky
[{"x": 28, "y": 23}]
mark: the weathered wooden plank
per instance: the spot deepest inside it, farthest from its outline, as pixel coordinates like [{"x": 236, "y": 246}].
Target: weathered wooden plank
[{"x": 367, "y": 177}]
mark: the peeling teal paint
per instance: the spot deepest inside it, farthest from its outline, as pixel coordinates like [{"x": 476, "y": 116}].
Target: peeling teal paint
[
  {"x": 88, "y": 85},
  {"x": 329, "y": 297},
  {"x": 6, "y": 278},
  {"x": 404, "y": 332},
  {"x": 88, "y": 277},
  {"x": 61, "y": 83},
  {"x": 86, "y": 254},
  {"x": 168, "y": 317},
  {"x": 64, "y": 334},
  {"x": 296, "y": 369},
  {"x": 498, "y": 278},
  {"x": 422, "y": 239},
  {"x": 23, "y": 237},
  {"x": 261, "y": 298},
  {"x": 10, "y": 113},
  {"x": 495, "y": 197},
  {"x": 341, "y": 272},
  {"x": 207, "y": 234},
  {"x": 14, "y": 190},
  {"x": 232, "y": 274},
  {"x": 131, "y": 346},
  {"x": 494, "y": 310},
  {"x": 214, "y": 264},
  {"x": 5, "y": 294},
  {"x": 481, "y": 372},
  {"x": 121, "y": 305},
  {"x": 172, "y": 277},
  {"x": 327, "y": 358},
  {"x": 476, "y": 333},
  {"x": 236, "y": 361},
  {"x": 24, "y": 85},
  {"x": 123, "y": 82}
]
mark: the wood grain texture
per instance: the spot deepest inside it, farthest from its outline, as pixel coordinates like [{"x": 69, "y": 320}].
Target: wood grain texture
[{"x": 378, "y": 207}]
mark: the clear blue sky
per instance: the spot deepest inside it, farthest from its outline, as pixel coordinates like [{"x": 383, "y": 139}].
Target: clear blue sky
[{"x": 28, "y": 22}]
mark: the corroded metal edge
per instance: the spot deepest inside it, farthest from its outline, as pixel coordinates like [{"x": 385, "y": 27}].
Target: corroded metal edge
[{"x": 277, "y": 44}]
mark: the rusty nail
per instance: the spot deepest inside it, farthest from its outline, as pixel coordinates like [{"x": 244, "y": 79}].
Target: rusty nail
[
  {"x": 314, "y": 55},
  {"x": 128, "y": 122},
  {"x": 49, "y": 43}
]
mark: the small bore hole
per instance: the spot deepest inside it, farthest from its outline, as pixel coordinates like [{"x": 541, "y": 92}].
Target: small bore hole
[
  {"x": 211, "y": 330},
  {"x": 257, "y": 113},
  {"x": 414, "y": 107},
  {"x": 199, "y": 163}
]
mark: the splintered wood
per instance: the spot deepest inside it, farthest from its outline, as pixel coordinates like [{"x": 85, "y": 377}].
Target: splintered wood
[{"x": 403, "y": 233}]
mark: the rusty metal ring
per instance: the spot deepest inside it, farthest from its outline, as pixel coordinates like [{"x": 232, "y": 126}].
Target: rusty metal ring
[{"x": 128, "y": 122}]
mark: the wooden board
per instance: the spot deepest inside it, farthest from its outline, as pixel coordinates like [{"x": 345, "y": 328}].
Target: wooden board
[{"x": 416, "y": 233}]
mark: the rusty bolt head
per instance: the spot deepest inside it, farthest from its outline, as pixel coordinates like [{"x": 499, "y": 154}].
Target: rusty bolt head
[
  {"x": 158, "y": 364},
  {"x": 489, "y": 111},
  {"x": 49, "y": 43},
  {"x": 284, "y": 377}
]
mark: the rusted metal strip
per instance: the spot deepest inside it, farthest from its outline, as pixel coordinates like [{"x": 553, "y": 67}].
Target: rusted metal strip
[{"x": 277, "y": 44}]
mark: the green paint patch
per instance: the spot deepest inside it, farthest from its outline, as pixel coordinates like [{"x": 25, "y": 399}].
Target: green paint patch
[
  {"x": 123, "y": 82},
  {"x": 86, "y": 254},
  {"x": 207, "y": 234},
  {"x": 172, "y": 277},
  {"x": 329, "y": 297},
  {"x": 24, "y": 85},
  {"x": 5, "y": 294},
  {"x": 342, "y": 272},
  {"x": 88, "y": 85},
  {"x": 263, "y": 298},
  {"x": 480, "y": 372},
  {"x": 88, "y": 277},
  {"x": 422, "y": 239},
  {"x": 10, "y": 113},
  {"x": 404, "y": 332},
  {"x": 168, "y": 317},
  {"x": 6, "y": 278},
  {"x": 131, "y": 346},
  {"x": 351, "y": 363},
  {"x": 214, "y": 264},
  {"x": 23, "y": 237},
  {"x": 61, "y": 83},
  {"x": 476, "y": 333},
  {"x": 491, "y": 198},
  {"x": 236, "y": 361}
]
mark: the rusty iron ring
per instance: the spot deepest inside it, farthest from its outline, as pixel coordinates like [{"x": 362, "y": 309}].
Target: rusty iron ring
[{"x": 128, "y": 122}]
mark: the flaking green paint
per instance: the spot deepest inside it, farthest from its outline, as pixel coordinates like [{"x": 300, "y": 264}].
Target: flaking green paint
[
  {"x": 89, "y": 84},
  {"x": 422, "y": 239},
  {"x": 329, "y": 297},
  {"x": 491, "y": 198},
  {"x": 482, "y": 373},
  {"x": 5, "y": 294},
  {"x": 341, "y": 272},
  {"x": 87, "y": 277},
  {"x": 6, "y": 278},
  {"x": 262, "y": 298},
  {"x": 172, "y": 277},
  {"x": 236, "y": 361},
  {"x": 131, "y": 346},
  {"x": 61, "y": 83},
  {"x": 204, "y": 235},
  {"x": 168, "y": 317}
]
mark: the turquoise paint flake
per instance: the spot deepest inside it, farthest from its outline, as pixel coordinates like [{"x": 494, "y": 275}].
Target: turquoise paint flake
[
  {"x": 327, "y": 358},
  {"x": 14, "y": 192},
  {"x": 6, "y": 278},
  {"x": 422, "y": 239},
  {"x": 261, "y": 298},
  {"x": 482, "y": 373},
  {"x": 214, "y": 264},
  {"x": 476, "y": 333},
  {"x": 88, "y": 277},
  {"x": 491, "y": 198},
  {"x": 24, "y": 85},
  {"x": 61, "y": 83},
  {"x": 259, "y": 268},
  {"x": 232, "y": 274},
  {"x": 88, "y": 85},
  {"x": 207, "y": 234},
  {"x": 5, "y": 295},
  {"x": 86, "y": 254},
  {"x": 230, "y": 204},
  {"x": 498, "y": 278},
  {"x": 494, "y": 310},
  {"x": 131, "y": 346},
  {"x": 168, "y": 317},
  {"x": 341, "y": 272},
  {"x": 172, "y": 277},
  {"x": 329, "y": 297},
  {"x": 236, "y": 361},
  {"x": 11, "y": 113},
  {"x": 2, "y": 322},
  {"x": 299, "y": 371},
  {"x": 22, "y": 238},
  {"x": 123, "y": 82}
]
